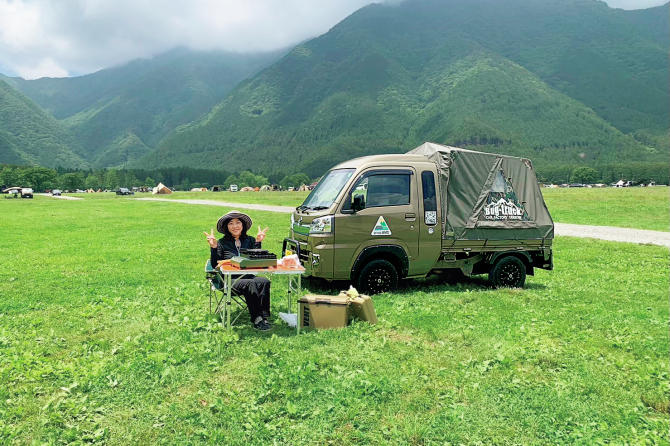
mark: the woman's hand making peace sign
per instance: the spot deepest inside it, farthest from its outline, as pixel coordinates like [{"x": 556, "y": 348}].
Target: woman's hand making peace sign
[
  {"x": 211, "y": 239},
  {"x": 261, "y": 234}
]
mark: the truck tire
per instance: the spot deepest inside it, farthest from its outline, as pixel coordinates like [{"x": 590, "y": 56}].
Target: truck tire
[
  {"x": 378, "y": 276},
  {"x": 508, "y": 272}
]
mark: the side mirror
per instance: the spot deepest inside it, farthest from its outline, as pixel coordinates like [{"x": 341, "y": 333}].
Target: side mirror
[{"x": 358, "y": 203}]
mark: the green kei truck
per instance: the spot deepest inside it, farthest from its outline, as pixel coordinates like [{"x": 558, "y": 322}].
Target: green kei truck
[{"x": 434, "y": 210}]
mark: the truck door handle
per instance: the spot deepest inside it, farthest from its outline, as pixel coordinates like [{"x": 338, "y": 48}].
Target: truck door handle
[{"x": 410, "y": 217}]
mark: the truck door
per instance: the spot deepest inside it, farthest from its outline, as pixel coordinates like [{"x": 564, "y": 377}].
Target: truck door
[
  {"x": 430, "y": 225},
  {"x": 389, "y": 217}
]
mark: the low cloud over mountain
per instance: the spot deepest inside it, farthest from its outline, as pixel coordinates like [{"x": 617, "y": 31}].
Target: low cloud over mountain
[{"x": 58, "y": 38}]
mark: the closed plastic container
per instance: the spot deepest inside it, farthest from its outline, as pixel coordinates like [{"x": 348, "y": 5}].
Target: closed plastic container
[
  {"x": 291, "y": 261},
  {"x": 323, "y": 311}
]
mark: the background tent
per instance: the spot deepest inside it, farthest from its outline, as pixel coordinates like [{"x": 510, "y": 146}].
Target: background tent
[{"x": 161, "y": 189}]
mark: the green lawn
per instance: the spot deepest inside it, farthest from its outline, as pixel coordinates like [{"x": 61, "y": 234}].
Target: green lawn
[
  {"x": 631, "y": 207},
  {"x": 634, "y": 207},
  {"x": 277, "y": 198},
  {"x": 105, "y": 338}
]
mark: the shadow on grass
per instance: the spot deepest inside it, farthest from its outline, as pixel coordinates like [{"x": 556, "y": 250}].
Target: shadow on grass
[
  {"x": 535, "y": 286},
  {"x": 433, "y": 283},
  {"x": 311, "y": 285},
  {"x": 245, "y": 329}
]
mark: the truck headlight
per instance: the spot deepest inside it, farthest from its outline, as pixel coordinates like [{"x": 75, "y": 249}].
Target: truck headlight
[{"x": 322, "y": 225}]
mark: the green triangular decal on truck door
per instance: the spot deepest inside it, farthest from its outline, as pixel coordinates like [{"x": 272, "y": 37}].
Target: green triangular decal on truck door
[{"x": 381, "y": 228}]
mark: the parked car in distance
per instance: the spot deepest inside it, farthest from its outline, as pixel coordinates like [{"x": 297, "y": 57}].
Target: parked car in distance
[
  {"x": 576, "y": 185},
  {"x": 124, "y": 191},
  {"x": 233, "y": 187},
  {"x": 56, "y": 193},
  {"x": 26, "y": 192}
]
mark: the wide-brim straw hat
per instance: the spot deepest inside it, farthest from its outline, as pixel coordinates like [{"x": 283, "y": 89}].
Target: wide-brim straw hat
[{"x": 223, "y": 221}]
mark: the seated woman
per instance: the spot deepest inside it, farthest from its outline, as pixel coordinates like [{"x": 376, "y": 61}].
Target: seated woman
[{"x": 256, "y": 290}]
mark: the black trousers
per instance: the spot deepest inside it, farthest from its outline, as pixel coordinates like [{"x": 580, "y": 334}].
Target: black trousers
[{"x": 256, "y": 292}]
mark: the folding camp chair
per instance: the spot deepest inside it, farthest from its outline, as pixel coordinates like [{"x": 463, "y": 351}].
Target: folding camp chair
[{"x": 217, "y": 285}]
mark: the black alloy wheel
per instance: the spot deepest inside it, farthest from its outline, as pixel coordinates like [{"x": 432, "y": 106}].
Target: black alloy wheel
[
  {"x": 508, "y": 272},
  {"x": 378, "y": 276}
]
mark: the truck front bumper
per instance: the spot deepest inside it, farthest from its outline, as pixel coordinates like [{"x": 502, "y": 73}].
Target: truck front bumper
[{"x": 316, "y": 254}]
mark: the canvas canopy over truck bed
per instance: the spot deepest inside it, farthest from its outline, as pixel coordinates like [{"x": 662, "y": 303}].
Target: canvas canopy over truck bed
[{"x": 483, "y": 195}]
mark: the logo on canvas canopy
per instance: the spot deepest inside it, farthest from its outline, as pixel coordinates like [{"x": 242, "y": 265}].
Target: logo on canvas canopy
[
  {"x": 502, "y": 203},
  {"x": 503, "y": 210},
  {"x": 381, "y": 228}
]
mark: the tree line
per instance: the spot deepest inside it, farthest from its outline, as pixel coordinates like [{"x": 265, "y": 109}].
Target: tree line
[
  {"x": 606, "y": 173},
  {"x": 44, "y": 178}
]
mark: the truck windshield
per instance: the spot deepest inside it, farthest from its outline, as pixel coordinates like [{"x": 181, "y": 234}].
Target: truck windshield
[{"x": 325, "y": 193}]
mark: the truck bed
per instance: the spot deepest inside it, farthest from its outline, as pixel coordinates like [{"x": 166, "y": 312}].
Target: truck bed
[{"x": 453, "y": 246}]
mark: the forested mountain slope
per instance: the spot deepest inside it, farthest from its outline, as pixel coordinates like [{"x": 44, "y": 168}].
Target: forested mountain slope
[
  {"x": 29, "y": 135},
  {"x": 560, "y": 81},
  {"x": 118, "y": 114},
  {"x": 651, "y": 23}
]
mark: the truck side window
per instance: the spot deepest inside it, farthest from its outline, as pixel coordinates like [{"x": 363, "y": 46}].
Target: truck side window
[
  {"x": 361, "y": 189},
  {"x": 429, "y": 198},
  {"x": 388, "y": 190}
]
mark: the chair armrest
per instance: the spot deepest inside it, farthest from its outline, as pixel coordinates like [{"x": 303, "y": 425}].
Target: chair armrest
[{"x": 208, "y": 267}]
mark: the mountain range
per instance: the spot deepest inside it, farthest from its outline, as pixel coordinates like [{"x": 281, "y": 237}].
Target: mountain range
[
  {"x": 119, "y": 114},
  {"x": 30, "y": 135},
  {"x": 558, "y": 81}
]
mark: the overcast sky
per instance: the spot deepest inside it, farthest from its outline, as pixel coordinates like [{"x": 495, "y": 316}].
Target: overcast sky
[{"x": 58, "y": 38}]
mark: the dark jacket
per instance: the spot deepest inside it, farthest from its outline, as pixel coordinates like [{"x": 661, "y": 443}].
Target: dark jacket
[{"x": 226, "y": 248}]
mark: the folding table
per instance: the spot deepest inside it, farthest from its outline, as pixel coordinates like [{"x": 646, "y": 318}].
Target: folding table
[{"x": 227, "y": 272}]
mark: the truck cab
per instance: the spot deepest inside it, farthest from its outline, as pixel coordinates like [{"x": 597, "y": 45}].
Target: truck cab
[
  {"x": 377, "y": 219},
  {"x": 372, "y": 217}
]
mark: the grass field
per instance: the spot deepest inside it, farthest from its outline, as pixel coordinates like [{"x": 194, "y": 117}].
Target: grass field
[
  {"x": 634, "y": 207},
  {"x": 277, "y": 198},
  {"x": 631, "y": 207},
  {"x": 105, "y": 338}
]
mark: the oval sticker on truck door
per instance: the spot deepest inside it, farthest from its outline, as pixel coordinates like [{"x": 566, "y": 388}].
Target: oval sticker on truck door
[{"x": 381, "y": 228}]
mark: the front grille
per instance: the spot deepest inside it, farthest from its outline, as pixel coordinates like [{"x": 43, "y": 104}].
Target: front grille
[{"x": 304, "y": 256}]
